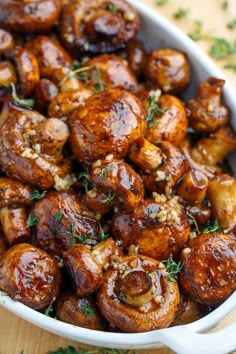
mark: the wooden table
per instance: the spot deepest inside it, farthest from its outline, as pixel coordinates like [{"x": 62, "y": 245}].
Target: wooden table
[{"x": 17, "y": 335}]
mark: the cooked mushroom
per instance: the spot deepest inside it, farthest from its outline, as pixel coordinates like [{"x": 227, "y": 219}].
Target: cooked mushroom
[{"x": 29, "y": 275}]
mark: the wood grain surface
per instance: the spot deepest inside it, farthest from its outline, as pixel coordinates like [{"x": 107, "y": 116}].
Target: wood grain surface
[{"x": 16, "y": 335}]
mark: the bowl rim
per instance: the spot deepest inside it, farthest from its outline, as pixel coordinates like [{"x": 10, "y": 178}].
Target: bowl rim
[{"x": 144, "y": 339}]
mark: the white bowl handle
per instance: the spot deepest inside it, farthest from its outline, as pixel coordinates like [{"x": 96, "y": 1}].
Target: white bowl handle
[{"x": 183, "y": 341}]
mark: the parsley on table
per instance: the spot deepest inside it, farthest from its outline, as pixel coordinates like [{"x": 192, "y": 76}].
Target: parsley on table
[
  {"x": 72, "y": 350},
  {"x": 181, "y": 13},
  {"x": 161, "y": 2},
  {"x": 232, "y": 24},
  {"x": 221, "y": 48}
]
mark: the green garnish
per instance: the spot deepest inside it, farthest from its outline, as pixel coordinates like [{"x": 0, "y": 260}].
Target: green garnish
[
  {"x": 102, "y": 235},
  {"x": 36, "y": 195},
  {"x": 110, "y": 197},
  {"x": 172, "y": 268},
  {"x": 221, "y": 48},
  {"x": 111, "y": 7},
  {"x": 105, "y": 171},
  {"x": 96, "y": 77},
  {"x": 232, "y": 24},
  {"x": 58, "y": 216},
  {"x": 231, "y": 66},
  {"x": 212, "y": 228},
  {"x": 161, "y": 2},
  {"x": 48, "y": 311},
  {"x": 75, "y": 236},
  {"x": 192, "y": 221},
  {"x": 198, "y": 33},
  {"x": 181, "y": 13},
  {"x": 31, "y": 220},
  {"x": 153, "y": 110},
  {"x": 225, "y": 4},
  {"x": 73, "y": 73},
  {"x": 72, "y": 350},
  {"x": 87, "y": 310},
  {"x": 27, "y": 102},
  {"x": 84, "y": 177}
]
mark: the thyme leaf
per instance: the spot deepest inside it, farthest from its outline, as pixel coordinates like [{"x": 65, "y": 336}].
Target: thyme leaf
[
  {"x": 110, "y": 197},
  {"x": 212, "y": 228},
  {"x": 172, "y": 268},
  {"x": 36, "y": 195},
  {"x": 27, "y": 102},
  {"x": 31, "y": 220},
  {"x": 87, "y": 310}
]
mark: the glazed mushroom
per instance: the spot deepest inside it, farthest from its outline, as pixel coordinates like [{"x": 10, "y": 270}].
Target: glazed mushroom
[
  {"x": 136, "y": 296},
  {"x": 136, "y": 56},
  {"x": 162, "y": 165},
  {"x": 166, "y": 119},
  {"x": 107, "y": 124},
  {"x": 79, "y": 311},
  {"x": 157, "y": 226},
  {"x": 221, "y": 192},
  {"x": 27, "y": 144},
  {"x": 212, "y": 149},
  {"x": 98, "y": 26},
  {"x": 51, "y": 56},
  {"x": 62, "y": 221},
  {"x": 108, "y": 71},
  {"x": 29, "y": 15},
  {"x": 206, "y": 113},
  {"x": 65, "y": 102},
  {"x": 119, "y": 184},
  {"x": 6, "y": 41},
  {"x": 45, "y": 91},
  {"x": 192, "y": 189},
  {"x": 27, "y": 69},
  {"x": 7, "y": 74},
  {"x": 209, "y": 268},
  {"x": 14, "y": 198},
  {"x": 84, "y": 270},
  {"x": 168, "y": 69},
  {"x": 29, "y": 275}
]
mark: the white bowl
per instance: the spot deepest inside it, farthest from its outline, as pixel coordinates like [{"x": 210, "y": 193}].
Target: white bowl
[{"x": 158, "y": 32}]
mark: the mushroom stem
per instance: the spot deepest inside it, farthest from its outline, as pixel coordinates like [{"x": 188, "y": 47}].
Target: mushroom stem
[
  {"x": 193, "y": 187},
  {"x": 146, "y": 155},
  {"x": 136, "y": 288},
  {"x": 51, "y": 136},
  {"x": 13, "y": 222}
]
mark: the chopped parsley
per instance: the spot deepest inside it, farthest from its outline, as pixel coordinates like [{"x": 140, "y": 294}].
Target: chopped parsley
[
  {"x": 181, "y": 13},
  {"x": 222, "y": 48},
  {"x": 232, "y": 24}
]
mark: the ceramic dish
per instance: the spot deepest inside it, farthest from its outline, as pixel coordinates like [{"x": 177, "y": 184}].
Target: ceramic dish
[{"x": 158, "y": 32}]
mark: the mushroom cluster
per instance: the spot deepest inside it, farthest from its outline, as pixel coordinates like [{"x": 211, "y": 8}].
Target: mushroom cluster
[{"x": 117, "y": 208}]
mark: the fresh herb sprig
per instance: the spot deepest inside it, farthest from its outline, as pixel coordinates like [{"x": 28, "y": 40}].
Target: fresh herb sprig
[
  {"x": 109, "y": 198},
  {"x": 36, "y": 195},
  {"x": 212, "y": 228},
  {"x": 81, "y": 238},
  {"x": 105, "y": 171},
  {"x": 173, "y": 268},
  {"x": 31, "y": 220},
  {"x": 153, "y": 110},
  {"x": 72, "y": 350},
  {"x": 87, "y": 310},
  {"x": 102, "y": 235},
  {"x": 85, "y": 179},
  {"x": 27, "y": 102},
  {"x": 74, "y": 73}
]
